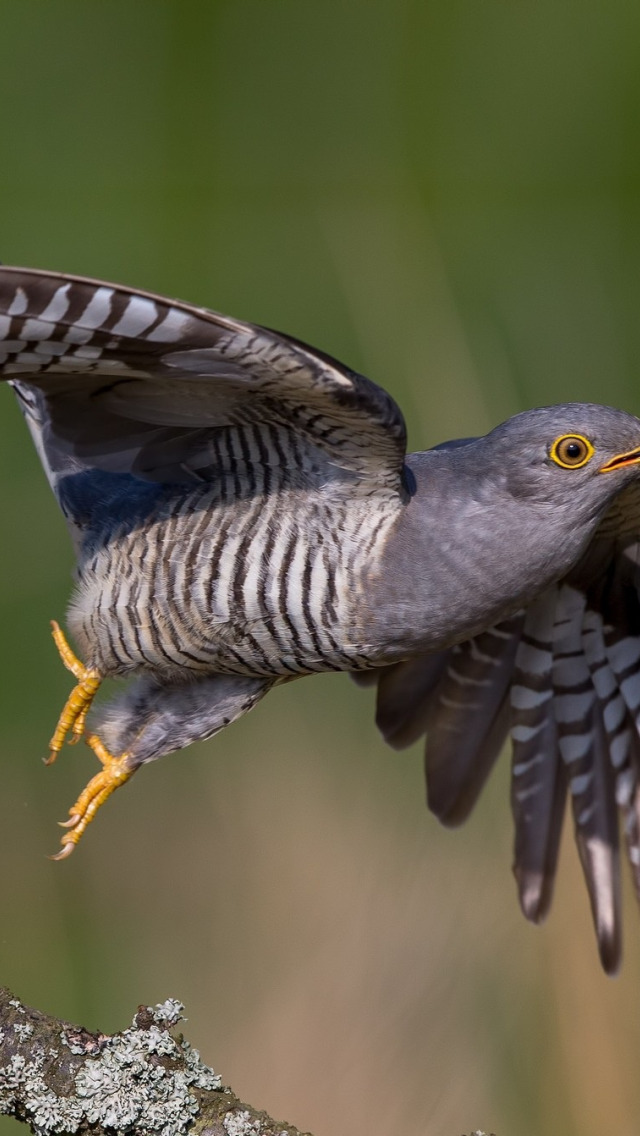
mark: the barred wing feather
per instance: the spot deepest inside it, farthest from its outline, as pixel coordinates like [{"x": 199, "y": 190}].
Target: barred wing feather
[
  {"x": 563, "y": 679},
  {"x": 128, "y": 382}
]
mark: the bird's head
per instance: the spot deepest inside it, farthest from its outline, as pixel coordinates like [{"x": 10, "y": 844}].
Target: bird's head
[
  {"x": 538, "y": 486},
  {"x": 576, "y": 455}
]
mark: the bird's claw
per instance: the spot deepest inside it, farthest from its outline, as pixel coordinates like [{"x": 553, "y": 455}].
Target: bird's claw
[
  {"x": 74, "y": 713},
  {"x": 115, "y": 771}
]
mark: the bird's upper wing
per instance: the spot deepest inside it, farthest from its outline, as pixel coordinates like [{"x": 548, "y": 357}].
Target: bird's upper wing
[
  {"x": 126, "y": 382},
  {"x": 563, "y": 678}
]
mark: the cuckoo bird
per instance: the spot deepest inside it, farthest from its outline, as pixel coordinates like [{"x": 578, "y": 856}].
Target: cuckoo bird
[{"x": 244, "y": 512}]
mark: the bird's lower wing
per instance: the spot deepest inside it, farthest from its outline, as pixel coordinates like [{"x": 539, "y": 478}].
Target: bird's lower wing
[{"x": 563, "y": 679}]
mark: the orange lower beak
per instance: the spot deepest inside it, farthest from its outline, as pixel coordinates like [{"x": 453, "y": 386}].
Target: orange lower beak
[{"x": 622, "y": 460}]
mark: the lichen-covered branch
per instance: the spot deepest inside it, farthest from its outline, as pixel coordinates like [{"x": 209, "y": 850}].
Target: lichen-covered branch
[{"x": 60, "y": 1078}]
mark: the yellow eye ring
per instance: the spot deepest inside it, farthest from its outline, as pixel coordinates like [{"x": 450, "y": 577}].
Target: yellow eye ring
[{"x": 571, "y": 451}]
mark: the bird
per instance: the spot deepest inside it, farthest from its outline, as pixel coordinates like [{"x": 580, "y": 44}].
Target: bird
[{"x": 244, "y": 513}]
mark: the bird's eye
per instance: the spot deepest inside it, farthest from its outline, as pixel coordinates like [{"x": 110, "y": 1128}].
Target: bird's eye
[{"x": 571, "y": 451}]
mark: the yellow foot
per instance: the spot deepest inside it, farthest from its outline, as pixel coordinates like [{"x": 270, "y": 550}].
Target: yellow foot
[
  {"x": 115, "y": 771},
  {"x": 76, "y": 708}
]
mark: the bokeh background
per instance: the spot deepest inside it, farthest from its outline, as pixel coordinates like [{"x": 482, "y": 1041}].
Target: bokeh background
[{"x": 446, "y": 196}]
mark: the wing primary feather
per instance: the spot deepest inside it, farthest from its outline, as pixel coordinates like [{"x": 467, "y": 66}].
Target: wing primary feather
[
  {"x": 538, "y": 780},
  {"x": 584, "y": 749},
  {"x": 466, "y": 725},
  {"x": 371, "y": 677},
  {"x": 622, "y": 738},
  {"x": 404, "y": 698}
]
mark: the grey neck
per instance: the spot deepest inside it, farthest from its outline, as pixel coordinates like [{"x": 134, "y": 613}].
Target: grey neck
[{"x": 464, "y": 554}]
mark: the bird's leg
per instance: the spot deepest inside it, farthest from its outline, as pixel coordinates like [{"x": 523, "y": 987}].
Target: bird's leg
[
  {"x": 76, "y": 708},
  {"x": 115, "y": 771},
  {"x": 150, "y": 718}
]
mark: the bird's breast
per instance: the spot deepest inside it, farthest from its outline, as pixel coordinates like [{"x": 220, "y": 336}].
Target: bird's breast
[{"x": 268, "y": 585}]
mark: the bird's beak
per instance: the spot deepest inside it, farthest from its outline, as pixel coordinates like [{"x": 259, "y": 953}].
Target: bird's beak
[{"x": 632, "y": 457}]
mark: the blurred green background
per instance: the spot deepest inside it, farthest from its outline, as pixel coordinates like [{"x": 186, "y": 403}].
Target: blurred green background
[{"x": 446, "y": 196}]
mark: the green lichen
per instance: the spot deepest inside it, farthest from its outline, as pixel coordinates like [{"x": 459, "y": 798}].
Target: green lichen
[{"x": 141, "y": 1079}]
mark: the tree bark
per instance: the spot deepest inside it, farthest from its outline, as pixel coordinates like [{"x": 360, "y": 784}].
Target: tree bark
[{"x": 61, "y": 1078}]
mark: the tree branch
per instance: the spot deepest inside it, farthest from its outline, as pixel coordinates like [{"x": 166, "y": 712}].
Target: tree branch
[{"x": 60, "y": 1078}]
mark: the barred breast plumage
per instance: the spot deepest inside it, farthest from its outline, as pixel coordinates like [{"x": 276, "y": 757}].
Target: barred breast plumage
[
  {"x": 269, "y": 582},
  {"x": 244, "y": 512}
]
